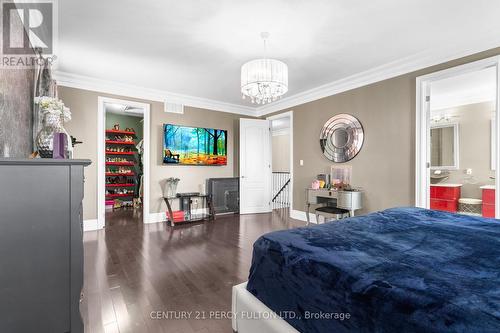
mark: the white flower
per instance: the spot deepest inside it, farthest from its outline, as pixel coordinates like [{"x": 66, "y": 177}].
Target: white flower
[
  {"x": 53, "y": 105},
  {"x": 66, "y": 114}
]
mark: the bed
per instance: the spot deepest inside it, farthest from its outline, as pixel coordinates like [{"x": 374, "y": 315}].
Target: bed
[{"x": 399, "y": 270}]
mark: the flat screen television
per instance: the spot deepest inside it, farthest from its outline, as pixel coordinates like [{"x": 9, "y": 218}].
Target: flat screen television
[{"x": 185, "y": 145}]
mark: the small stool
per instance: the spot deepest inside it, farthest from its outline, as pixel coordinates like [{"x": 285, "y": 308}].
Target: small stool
[
  {"x": 331, "y": 213},
  {"x": 469, "y": 206}
]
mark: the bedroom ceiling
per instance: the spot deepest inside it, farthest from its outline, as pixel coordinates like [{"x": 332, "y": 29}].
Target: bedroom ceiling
[{"x": 197, "y": 47}]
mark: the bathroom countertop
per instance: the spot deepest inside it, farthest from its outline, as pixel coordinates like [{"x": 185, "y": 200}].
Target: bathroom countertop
[{"x": 447, "y": 185}]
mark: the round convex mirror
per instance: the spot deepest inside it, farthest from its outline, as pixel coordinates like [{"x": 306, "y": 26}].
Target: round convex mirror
[{"x": 341, "y": 138}]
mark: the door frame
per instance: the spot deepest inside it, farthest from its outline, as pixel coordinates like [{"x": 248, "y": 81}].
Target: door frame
[
  {"x": 288, "y": 114},
  {"x": 422, "y": 133},
  {"x": 101, "y": 167}
]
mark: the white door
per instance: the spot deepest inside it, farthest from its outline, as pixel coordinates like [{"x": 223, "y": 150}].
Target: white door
[{"x": 255, "y": 166}]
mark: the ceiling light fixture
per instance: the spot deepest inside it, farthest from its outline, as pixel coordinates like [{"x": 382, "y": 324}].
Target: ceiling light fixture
[{"x": 264, "y": 80}]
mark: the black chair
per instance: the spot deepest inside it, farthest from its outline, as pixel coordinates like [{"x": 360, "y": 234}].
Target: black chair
[{"x": 330, "y": 213}]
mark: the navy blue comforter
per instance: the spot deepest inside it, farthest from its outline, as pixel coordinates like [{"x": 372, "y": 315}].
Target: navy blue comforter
[{"x": 399, "y": 270}]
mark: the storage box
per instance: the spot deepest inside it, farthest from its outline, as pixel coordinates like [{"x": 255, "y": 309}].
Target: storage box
[{"x": 178, "y": 216}]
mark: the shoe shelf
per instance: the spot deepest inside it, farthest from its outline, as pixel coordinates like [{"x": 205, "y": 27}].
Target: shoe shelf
[
  {"x": 115, "y": 142},
  {"x": 120, "y": 153},
  {"x": 111, "y": 174},
  {"x": 120, "y": 185},
  {"x": 120, "y": 195},
  {"x": 120, "y": 132},
  {"x": 121, "y": 165}
]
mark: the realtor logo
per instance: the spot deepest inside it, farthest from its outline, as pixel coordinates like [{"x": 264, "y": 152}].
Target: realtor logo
[{"x": 27, "y": 25}]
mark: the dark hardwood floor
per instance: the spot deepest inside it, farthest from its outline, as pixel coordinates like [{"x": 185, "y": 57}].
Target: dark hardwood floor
[{"x": 133, "y": 269}]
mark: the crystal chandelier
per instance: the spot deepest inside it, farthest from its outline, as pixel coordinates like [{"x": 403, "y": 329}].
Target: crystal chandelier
[{"x": 264, "y": 80}]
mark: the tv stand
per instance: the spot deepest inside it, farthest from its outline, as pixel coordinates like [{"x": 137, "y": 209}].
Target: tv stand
[{"x": 185, "y": 204}]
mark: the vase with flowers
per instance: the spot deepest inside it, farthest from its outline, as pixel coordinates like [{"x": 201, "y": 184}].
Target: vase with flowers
[
  {"x": 54, "y": 114},
  {"x": 171, "y": 187}
]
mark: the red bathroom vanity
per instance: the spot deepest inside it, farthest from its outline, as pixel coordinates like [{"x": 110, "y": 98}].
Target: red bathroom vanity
[
  {"x": 488, "y": 193},
  {"x": 445, "y": 197}
]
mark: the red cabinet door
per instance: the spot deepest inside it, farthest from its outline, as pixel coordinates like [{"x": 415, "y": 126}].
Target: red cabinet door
[
  {"x": 445, "y": 192},
  {"x": 488, "y": 210},
  {"x": 488, "y": 203},
  {"x": 445, "y": 205},
  {"x": 489, "y": 196}
]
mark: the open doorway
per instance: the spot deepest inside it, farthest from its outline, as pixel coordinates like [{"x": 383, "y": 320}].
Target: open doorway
[
  {"x": 457, "y": 142},
  {"x": 123, "y": 162},
  {"x": 282, "y": 160}
]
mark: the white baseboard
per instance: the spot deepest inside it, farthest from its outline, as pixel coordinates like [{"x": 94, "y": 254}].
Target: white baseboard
[
  {"x": 301, "y": 215},
  {"x": 157, "y": 217},
  {"x": 90, "y": 225}
]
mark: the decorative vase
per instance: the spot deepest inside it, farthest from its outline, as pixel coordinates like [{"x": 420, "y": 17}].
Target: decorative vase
[
  {"x": 52, "y": 123},
  {"x": 171, "y": 188}
]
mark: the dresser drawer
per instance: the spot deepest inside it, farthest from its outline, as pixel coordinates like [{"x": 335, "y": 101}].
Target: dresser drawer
[
  {"x": 444, "y": 192},
  {"x": 444, "y": 205},
  {"x": 344, "y": 200},
  {"x": 349, "y": 200}
]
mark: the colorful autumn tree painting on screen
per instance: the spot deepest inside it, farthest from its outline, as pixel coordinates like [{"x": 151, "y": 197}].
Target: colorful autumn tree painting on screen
[{"x": 194, "y": 145}]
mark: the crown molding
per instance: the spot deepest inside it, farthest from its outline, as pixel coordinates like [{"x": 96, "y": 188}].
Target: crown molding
[
  {"x": 71, "y": 80},
  {"x": 390, "y": 70}
]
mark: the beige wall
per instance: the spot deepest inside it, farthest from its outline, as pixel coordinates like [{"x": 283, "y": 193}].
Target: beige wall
[
  {"x": 281, "y": 152},
  {"x": 83, "y": 126},
  {"x": 474, "y": 122},
  {"x": 385, "y": 167}
]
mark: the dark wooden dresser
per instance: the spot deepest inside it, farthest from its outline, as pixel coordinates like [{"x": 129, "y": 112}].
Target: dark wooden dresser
[{"x": 41, "y": 246}]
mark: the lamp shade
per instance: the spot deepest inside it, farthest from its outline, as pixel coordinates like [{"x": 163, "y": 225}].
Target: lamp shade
[{"x": 264, "y": 80}]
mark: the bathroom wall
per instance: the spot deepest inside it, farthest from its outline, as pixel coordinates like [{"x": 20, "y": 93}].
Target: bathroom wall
[{"x": 474, "y": 122}]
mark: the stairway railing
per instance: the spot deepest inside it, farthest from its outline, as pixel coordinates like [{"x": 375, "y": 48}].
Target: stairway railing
[{"x": 281, "y": 190}]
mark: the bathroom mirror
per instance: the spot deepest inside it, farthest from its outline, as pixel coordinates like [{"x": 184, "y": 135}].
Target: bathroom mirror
[
  {"x": 341, "y": 138},
  {"x": 444, "y": 147}
]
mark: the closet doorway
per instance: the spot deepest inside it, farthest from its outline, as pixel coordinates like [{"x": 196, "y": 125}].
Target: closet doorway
[
  {"x": 123, "y": 161},
  {"x": 457, "y": 144}
]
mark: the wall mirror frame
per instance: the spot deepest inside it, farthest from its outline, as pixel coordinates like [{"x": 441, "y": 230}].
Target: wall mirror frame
[
  {"x": 341, "y": 138},
  {"x": 445, "y": 140}
]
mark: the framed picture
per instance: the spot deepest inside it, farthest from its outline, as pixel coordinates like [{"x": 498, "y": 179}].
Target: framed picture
[{"x": 183, "y": 145}]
